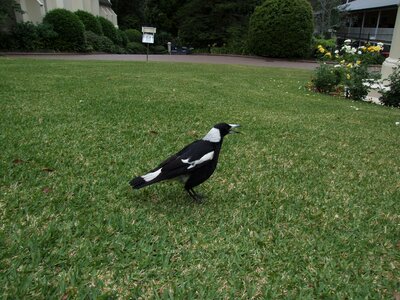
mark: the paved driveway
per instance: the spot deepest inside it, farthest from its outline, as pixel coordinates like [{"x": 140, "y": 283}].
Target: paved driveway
[{"x": 209, "y": 59}]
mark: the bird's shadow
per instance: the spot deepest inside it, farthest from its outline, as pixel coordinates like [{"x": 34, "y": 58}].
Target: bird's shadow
[{"x": 166, "y": 198}]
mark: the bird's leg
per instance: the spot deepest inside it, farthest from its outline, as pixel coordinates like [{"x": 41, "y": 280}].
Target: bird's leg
[{"x": 195, "y": 196}]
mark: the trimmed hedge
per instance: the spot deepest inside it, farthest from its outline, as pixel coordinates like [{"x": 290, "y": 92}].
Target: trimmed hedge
[
  {"x": 109, "y": 29},
  {"x": 90, "y": 22},
  {"x": 99, "y": 43},
  {"x": 70, "y": 30},
  {"x": 281, "y": 28},
  {"x": 134, "y": 35},
  {"x": 136, "y": 48}
]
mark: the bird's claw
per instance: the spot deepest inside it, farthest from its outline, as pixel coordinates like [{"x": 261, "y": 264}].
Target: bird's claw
[{"x": 195, "y": 196}]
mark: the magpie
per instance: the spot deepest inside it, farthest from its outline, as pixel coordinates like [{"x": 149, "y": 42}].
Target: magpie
[{"x": 193, "y": 165}]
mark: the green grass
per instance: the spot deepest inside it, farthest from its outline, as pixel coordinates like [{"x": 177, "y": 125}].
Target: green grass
[{"x": 304, "y": 204}]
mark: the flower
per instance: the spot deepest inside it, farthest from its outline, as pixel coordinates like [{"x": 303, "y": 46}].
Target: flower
[
  {"x": 336, "y": 51},
  {"x": 348, "y": 76},
  {"x": 328, "y": 54},
  {"x": 321, "y": 49},
  {"x": 348, "y": 41}
]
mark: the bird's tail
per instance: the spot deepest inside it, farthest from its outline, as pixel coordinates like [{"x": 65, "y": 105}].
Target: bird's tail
[
  {"x": 138, "y": 183},
  {"x": 145, "y": 180}
]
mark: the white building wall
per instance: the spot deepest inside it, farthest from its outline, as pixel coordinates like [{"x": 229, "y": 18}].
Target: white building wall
[{"x": 35, "y": 10}]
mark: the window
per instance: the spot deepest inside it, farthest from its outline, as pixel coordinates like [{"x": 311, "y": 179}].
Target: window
[
  {"x": 371, "y": 19},
  {"x": 388, "y": 18}
]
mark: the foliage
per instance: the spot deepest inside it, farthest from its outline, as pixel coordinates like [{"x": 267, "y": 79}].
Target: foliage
[
  {"x": 25, "y": 36},
  {"x": 162, "y": 38},
  {"x": 159, "y": 49},
  {"x": 134, "y": 35},
  {"x": 391, "y": 96},
  {"x": 356, "y": 80},
  {"x": 281, "y": 28},
  {"x": 328, "y": 45},
  {"x": 204, "y": 23},
  {"x": 90, "y": 22},
  {"x": 109, "y": 30},
  {"x": 326, "y": 78},
  {"x": 303, "y": 205},
  {"x": 69, "y": 28},
  {"x": 7, "y": 14},
  {"x": 327, "y": 16},
  {"x": 136, "y": 48},
  {"x": 123, "y": 38},
  {"x": 46, "y": 35},
  {"x": 367, "y": 54},
  {"x": 352, "y": 64}
]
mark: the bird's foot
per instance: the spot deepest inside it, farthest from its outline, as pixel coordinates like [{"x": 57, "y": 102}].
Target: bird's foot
[{"x": 199, "y": 198}]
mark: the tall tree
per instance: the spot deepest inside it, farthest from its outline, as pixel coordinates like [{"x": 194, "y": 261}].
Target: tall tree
[
  {"x": 130, "y": 13},
  {"x": 204, "y": 22},
  {"x": 7, "y": 13},
  {"x": 326, "y": 15}
]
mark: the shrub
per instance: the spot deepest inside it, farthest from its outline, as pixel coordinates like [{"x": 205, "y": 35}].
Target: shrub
[
  {"x": 354, "y": 79},
  {"x": 328, "y": 45},
  {"x": 136, "y": 48},
  {"x": 6, "y": 41},
  {"x": 281, "y": 28},
  {"x": 159, "y": 49},
  {"x": 392, "y": 97},
  {"x": 69, "y": 28},
  {"x": 25, "y": 36},
  {"x": 109, "y": 30},
  {"x": 122, "y": 38},
  {"x": 46, "y": 35},
  {"x": 134, "y": 35},
  {"x": 327, "y": 78},
  {"x": 162, "y": 38},
  {"x": 106, "y": 45},
  {"x": 99, "y": 43},
  {"x": 93, "y": 41},
  {"x": 90, "y": 22}
]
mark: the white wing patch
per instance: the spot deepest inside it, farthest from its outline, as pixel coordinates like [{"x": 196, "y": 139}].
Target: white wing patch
[
  {"x": 204, "y": 158},
  {"x": 150, "y": 176}
]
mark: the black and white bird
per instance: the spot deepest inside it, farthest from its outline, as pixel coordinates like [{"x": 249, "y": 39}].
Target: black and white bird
[{"x": 194, "y": 164}]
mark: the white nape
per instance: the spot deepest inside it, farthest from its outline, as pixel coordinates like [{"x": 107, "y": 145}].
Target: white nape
[
  {"x": 150, "y": 176},
  {"x": 213, "y": 136},
  {"x": 204, "y": 158}
]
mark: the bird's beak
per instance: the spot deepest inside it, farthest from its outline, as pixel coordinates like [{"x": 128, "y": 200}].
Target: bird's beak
[{"x": 233, "y": 126}]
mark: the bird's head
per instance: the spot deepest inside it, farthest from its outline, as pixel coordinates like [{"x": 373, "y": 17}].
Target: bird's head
[{"x": 217, "y": 133}]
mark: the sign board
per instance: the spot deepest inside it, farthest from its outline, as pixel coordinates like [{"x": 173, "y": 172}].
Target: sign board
[
  {"x": 148, "y": 38},
  {"x": 148, "y": 29}
]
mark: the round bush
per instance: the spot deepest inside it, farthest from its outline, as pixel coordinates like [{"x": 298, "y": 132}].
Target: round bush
[
  {"x": 70, "y": 30},
  {"x": 281, "y": 28},
  {"x": 90, "y": 22},
  {"x": 136, "y": 48},
  {"x": 326, "y": 78},
  {"x": 122, "y": 38},
  {"x": 26, "y": 36},
  {"x": 134, "y": 35},
  {"x": 109, "y": 29}
]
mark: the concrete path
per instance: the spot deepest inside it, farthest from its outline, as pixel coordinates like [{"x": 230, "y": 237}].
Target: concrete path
[{"x": 208, "y": 59}]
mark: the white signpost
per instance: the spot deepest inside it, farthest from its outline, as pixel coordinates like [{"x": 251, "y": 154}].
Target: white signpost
[{"x": 148, "y": 37}]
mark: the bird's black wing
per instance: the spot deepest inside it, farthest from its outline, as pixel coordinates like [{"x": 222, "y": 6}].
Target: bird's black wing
[
  {"x": 193, "y": 152},
  {"x": 186, "y": 161}
]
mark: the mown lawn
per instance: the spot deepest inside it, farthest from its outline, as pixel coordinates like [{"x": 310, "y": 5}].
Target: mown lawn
[{"x": 304, "y": 204}]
